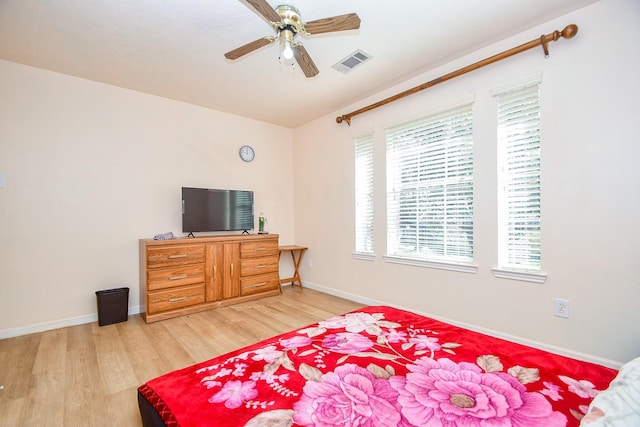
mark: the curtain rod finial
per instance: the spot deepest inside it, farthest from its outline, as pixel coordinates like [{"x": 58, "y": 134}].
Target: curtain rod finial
[
  {"x": 344, "y": 118},
  {"x": 570, "y": 31}
]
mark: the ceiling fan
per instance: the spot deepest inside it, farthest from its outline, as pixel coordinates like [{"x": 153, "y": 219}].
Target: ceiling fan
[{"x": 287, "y": 24}]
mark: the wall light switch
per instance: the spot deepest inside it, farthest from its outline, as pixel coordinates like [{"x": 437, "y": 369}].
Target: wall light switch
[{"x": 3, "y": 180}]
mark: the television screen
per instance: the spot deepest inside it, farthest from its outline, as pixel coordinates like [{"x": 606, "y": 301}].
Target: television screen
[{"x": 205, "y": 209}]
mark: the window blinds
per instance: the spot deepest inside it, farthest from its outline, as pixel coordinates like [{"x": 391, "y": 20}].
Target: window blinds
[
  {"x": 519, "y": 178},
  {"x": 430, "y": 187},
  {"x": 364, "y": 194}
]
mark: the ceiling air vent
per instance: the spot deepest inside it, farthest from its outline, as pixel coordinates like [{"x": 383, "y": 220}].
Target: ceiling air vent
[{"x": 352, "y": 61}]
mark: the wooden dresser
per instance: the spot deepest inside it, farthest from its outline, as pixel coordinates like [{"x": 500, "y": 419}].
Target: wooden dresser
[{"x": 184, "y": 276}]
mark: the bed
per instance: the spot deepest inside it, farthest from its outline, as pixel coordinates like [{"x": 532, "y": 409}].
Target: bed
[{"x": 377, "y": 366}]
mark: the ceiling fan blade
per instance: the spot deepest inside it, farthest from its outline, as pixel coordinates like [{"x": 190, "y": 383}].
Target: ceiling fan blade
[
  {"x": 264, "y": 9},
  {"x": 350, "y": 21},
  {"x": 249, "y": 47},
  {"x": 304, "y": 61}
]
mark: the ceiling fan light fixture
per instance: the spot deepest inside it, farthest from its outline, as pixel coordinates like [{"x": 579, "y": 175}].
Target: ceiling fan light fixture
[
  {"x": 287, "y": 52},
  {"x": 286, "y": 44},
  {"x": 287, "y": 23},
  {"x": 290, "y": 24}
]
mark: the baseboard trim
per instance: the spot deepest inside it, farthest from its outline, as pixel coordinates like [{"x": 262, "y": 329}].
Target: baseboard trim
[
  {"x": 62, "y": 323},
  {"x": 531, "y": 343},
  {"x": 73, "y": 321}
]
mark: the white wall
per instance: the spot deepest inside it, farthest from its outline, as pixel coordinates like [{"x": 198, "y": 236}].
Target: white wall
[
  {"x": 92, "y": 168},
  {"x": 590, "y": 172}
]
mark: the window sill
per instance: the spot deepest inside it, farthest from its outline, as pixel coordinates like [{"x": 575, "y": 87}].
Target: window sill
[
  {"x": 441, "y": 265},
  {"x": 524, "y": 276},
  {"x": 365, "y": 256}
]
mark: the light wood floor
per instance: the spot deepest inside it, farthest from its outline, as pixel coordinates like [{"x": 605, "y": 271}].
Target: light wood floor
[{"x": 88, "y": 375}]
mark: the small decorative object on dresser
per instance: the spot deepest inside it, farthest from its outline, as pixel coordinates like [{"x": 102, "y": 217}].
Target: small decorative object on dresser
[{"x": 185, "y": 276}]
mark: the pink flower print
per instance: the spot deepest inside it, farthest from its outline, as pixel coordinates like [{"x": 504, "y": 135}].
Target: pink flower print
[
  {"x": 269, "y": 377},
  {"x": 338, "y": 322},
  {"x": 223, "y": 372},
  {"x": 235, "y": 393},
  {"x": 282, "y": 378},
  {"x": 296, "y": 342},
  {"x": 441, "y": 393},
  {"x": 212, "y": 384},
  {"x": 552, "y": 391},
  {"x": 424, "y": 342},
  {"x": 240, "y": 369},
  {"x": 347, "y": 343},
  {"x": 582, "y": 388},
  {"x": 243, "y": 356},
  {"x": 349, "y": 396},
  {"x": 269, "y": 354},
  {"x": 394, "y": 336},
  {"x": 357, "y": 322}
]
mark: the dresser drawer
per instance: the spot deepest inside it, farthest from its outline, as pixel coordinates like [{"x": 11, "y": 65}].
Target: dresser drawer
[
  {"x": 163, "y": 278},
  {"x": 261, "y": 283},
  {"x": 169, "y": 256},
  {"x": 252, "y": 266},
  {"x": 258, "y": 249},
  {"x": 170, "y": 299}
]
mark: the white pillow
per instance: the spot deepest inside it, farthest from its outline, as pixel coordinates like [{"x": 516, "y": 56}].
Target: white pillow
[{"x": 619, "y": 404}]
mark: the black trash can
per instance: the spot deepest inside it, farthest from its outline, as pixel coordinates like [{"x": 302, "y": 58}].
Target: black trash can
[{"x": 113, "y": 306}]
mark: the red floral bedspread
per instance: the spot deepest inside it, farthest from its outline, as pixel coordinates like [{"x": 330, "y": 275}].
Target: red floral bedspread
[{"x": 380, "y": 367}]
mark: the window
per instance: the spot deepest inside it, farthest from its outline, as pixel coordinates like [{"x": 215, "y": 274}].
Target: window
[
  {"x": 364, "y": 194},
  {"x": 430, "y": 188},
  {"x": 519, "y": 178}
]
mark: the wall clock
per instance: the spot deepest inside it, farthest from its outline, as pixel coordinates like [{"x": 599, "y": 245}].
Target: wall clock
[{"x": 247, "y": 153}]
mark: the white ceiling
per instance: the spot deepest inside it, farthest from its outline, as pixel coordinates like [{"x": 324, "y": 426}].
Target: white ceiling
[{"x": 175, "y": 48}]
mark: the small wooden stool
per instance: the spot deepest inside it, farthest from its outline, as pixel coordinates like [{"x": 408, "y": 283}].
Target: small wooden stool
[{"x": 296, "y": 256}]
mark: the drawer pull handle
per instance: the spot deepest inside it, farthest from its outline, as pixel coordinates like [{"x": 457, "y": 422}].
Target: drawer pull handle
[
  {"x": 178, "y": 277},
  {"x": 256, "y": 285},
  {"x": 177, "y": 256},
  {"x": 177, "y": 299},
  {"x": 260, "y": 249},
  {"x": 261, "y": 266}
]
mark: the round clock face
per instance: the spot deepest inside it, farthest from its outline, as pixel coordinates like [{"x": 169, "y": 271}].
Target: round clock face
[{"x": 246, "y": 153}]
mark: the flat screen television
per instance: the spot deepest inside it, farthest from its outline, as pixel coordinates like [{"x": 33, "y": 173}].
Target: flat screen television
[{"x": 205, "y": 209}]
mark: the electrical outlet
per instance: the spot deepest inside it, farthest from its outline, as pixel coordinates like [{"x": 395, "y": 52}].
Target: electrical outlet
[
  {"x": 310, "y": 263},
  {"x": 562, "y": 308}
]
